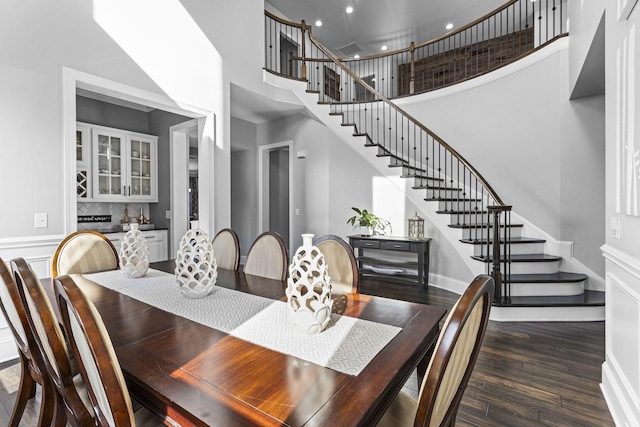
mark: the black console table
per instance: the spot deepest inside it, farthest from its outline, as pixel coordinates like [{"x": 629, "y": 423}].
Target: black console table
[{"x": 392, "y": 268}]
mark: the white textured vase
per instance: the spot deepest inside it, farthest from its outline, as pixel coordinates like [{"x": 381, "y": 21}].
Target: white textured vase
[
  {"x": 134, "y": 253},
  {"x": 196, "y": 268},
  {"x": 309, "y": 289}
]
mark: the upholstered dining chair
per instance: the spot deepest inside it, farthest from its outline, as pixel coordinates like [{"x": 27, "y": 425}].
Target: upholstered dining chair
[
  {"x": 32, "y": 368},
  {"x": 267, "y": 257},
  {"x": 97, "y": 360},
  {"x": 85, "y": 251},
  {"x": 226, "y": 249},
  {"x": 451, "y": 365},
  {"x": 71, "y": 400},
  {"x": 341, "y": 262}
]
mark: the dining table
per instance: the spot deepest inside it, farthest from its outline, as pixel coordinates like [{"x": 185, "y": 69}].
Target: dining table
[{"x": 193, "y": 374}]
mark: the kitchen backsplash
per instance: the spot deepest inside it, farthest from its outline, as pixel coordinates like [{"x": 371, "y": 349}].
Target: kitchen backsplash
[{"x": 115, "y": 210}]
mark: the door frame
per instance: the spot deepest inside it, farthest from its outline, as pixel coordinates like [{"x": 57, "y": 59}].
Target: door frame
[
  {"x": 179, "y": 171},
  {"x": 263, "y": 180},
  {"x": 74, "y": 79}
]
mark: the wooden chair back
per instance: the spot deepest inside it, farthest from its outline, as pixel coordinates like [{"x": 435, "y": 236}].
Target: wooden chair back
[
  {"x": 94, "y": 355},
  {"x": 341, "y": 262},
  {"x": 33, "y": 369},
  {"x": 455, "y": 355},
  {"x": 226, "y": 249},
  {"x": 85, "y": 251},
  {"x": 71, "y": 398},
  {"x": 268, "y": 257}
]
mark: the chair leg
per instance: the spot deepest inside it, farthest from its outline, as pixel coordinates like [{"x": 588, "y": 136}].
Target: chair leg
[
  {"x": 26, "y": 390},
  {"x": 47, "y": 404},
  {"x": 60, "y": 412}
]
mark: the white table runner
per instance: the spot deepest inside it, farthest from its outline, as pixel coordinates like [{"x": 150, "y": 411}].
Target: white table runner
[{"x": 347, "y": 344}]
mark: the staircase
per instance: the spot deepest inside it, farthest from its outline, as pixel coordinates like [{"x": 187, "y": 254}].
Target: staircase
[{"x": 530, "y": 284}]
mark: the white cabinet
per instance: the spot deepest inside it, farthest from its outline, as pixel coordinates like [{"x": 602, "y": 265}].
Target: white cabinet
[
  {"x": 156, "y": 241},
  {"x": 121, "y": 166},
  {"x": 83, "y": 143}
]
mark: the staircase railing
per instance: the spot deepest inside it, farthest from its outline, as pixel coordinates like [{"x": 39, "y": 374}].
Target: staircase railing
[
  {"x": 446, "y": 176},
  {"x": 502, "y": 36}
]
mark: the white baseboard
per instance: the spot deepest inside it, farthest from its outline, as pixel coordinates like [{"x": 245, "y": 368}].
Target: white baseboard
[{"x": 624, "y": 411}]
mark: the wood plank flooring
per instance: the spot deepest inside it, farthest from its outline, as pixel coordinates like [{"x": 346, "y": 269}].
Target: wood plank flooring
[{"x": 527, "y": 374}]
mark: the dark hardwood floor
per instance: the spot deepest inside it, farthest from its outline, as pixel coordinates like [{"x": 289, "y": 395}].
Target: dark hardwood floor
[{"x": 528, "y": 374}]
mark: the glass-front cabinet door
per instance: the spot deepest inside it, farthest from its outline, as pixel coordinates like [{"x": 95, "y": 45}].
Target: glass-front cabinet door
[
  {"x": 108, "y": 164},
  {"x": 124, "y": 165},
  {"x": 142, "y": 162}
]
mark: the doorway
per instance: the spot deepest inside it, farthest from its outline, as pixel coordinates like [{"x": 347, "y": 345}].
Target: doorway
[
  {"x": 205, "y": 119},
  {"x": 275, "y": 188},
  {"x": 184, "y": 179}
]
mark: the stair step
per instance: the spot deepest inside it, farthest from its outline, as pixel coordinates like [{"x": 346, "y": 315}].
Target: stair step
[
  {"x": 482, "y": 225},
  {"x": 522, "y": 258},
  {"x": 559, "y": 277},
  {"x": 431, "y": 187},
  {"x": 586, "y": 299},
  {"x": 513, "y": 240},
  {"x": 454, "y": 212},
  {"x": 336, "y": 114},
  {"x": 450, "y": 199},
  {"x": 317, "y": 92}
]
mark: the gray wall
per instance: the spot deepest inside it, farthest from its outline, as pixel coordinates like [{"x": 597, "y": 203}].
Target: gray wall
[
  {"x": 244, "y": 182},
  {"x": 159, "y": 123}
]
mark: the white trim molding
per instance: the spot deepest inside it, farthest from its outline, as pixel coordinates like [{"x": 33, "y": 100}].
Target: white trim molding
[{"x": 621, "y": 368}]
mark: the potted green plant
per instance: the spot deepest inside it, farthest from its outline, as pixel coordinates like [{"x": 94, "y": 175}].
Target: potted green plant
[{"x": 370, "y": 222}]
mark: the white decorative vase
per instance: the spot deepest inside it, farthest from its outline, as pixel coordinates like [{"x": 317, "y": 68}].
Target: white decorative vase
[
  {"x": 134, "y": 253},
  {"x": 309, "y": 289},
  {"x": 196, "y": 268}
]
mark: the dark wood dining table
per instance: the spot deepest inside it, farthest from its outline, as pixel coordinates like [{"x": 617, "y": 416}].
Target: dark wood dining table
[{"x": 199, "y": 376}]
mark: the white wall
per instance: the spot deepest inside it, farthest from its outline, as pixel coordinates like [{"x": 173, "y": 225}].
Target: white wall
[
  {"x": 165, "y": 48},
  {"x": 584, "y": 17},
  {"x": 621, "y": 370},
  {"x": 333, "y": 178},
  {"x": 542, "y": 153}
]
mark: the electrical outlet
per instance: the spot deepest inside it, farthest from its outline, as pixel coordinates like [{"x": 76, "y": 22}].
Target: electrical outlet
[
  {"x": 297, "y": 211},
  {"x": 41, "y": 220},
  {"x": 615, "y": 227}
]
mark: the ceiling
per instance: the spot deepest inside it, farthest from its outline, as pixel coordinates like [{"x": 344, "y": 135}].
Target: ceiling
[{"x": 374, "y": 23}]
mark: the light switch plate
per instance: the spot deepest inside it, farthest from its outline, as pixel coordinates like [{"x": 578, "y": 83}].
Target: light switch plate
[
  {"x": 41, "y": 220},
  {"x": 615, "y": 227},
  {"x": 167, "y": 214}
]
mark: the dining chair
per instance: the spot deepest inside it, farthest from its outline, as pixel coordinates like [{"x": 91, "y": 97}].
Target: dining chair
[
  {"x": 226, "y": 249},
  {"x": 72, "y": 403},
  {"x": 268, "y": 257},
  {"x": 451, "y": 364},
  {"x": 341, "y": 262},
  {"x": 97, "y": 360},
  {"x": 85, "y": 251},
  {"x": 32, "y": 368}
]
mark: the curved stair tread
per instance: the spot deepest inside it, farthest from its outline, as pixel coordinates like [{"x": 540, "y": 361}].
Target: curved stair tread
[
  {"x": 513, "y": 240},
  {"x": 559, "y": 277},
  {"x": 522, "y": 258},
  {"x": 588, "y": 298},
  {"x": 481, "y": 225}
]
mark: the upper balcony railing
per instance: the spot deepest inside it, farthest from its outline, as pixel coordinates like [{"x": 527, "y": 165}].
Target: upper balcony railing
[{"x": 507, "y": 34}]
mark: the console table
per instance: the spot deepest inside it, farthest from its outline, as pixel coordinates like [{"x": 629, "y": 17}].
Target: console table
[{"x": 390, "y": 267}]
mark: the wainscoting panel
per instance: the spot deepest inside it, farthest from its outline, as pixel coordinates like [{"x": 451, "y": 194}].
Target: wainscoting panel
[
  {"x": 621, "y": 369},
  {"x": 38, "y": 252}
]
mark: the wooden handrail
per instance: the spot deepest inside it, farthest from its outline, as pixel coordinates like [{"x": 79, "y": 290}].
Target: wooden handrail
[{"x": 457, "y": 155}]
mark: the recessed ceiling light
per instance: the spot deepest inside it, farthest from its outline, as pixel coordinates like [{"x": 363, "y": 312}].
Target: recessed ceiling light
[
  {"x": 356, "y": 56},
  {"x": 384, "y": 47},
  {"x": 349, "y": 9},
  {"x": 449, "y": 26},
  {"x": 318, "y": 23}
]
